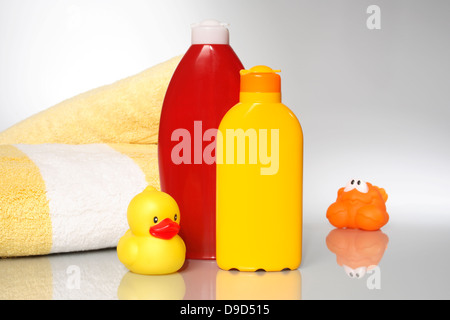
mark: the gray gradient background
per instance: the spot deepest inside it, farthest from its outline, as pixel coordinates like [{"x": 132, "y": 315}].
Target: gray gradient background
[{"x": 373, "y": 104}]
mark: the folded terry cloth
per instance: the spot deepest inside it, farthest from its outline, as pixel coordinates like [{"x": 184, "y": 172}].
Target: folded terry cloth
[
  {"x": 60, "y": 198},
  {"x": 67, "y": 174},
  {"x": 127, "y": 111}
]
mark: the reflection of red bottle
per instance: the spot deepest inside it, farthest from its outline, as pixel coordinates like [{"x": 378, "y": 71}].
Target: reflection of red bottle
[{"x": 204, "y": 87}]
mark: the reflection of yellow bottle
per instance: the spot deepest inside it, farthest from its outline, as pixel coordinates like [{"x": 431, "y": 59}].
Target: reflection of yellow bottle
[
  {"x": 235, "y": 285},
  {"x": 259, "y": 179}
]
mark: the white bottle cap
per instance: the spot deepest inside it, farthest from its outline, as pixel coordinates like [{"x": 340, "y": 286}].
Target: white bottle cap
[{"x": 210, "y": 32}]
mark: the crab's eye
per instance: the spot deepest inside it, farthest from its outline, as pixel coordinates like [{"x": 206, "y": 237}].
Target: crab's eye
[
  {"x": 357, "y": 273},
  {"x": 350, "y": 186},
  {"x": 362, "y": 187},
  {"x": 349, "y": 271},
  {"x": 360, "y": 272}
]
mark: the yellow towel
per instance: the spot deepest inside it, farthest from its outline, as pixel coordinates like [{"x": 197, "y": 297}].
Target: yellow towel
[
  {"x": 127, "y": 111},
  {"x": 68, "y": 173}
]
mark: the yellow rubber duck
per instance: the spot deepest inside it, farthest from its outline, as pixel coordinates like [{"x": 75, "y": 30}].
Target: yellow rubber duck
[{"x": 152, "y": 245}]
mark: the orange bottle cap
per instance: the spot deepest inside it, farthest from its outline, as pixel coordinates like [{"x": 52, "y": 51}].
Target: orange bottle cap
[{"x": 260, "y": 79}]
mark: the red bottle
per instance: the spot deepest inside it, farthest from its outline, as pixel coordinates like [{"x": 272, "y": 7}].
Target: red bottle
[{"x": 204, "y": 87}]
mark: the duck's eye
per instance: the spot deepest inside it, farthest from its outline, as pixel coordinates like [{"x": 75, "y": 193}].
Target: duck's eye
[
  {"x": 155, "y": 219},
  {"x": 175, "y": 217},
  {"x": 362, "y": 186}
]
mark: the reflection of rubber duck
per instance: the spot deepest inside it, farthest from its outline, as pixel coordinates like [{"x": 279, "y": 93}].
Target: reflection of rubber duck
[
  {"x": 152, "y": 245},
  {"x": 157, "y": 287},
  {"x": 359, "y": 205},
  {"x": 357, "y": 251}
]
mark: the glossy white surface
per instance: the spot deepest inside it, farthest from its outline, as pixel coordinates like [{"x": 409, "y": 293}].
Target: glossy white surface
[{"x": 414, "y": 265}]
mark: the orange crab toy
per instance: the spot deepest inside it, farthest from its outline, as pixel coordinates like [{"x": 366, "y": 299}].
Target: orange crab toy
[{"x": 359, "y": 205}]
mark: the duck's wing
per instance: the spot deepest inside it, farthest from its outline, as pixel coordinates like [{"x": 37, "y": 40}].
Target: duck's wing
[{"x": 127, "y": 250}]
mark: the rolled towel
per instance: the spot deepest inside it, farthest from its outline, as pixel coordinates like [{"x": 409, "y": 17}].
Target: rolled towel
[
  {"x": 67, "y": 174},
  {"x": 127, "y": 111},
  {"x": 61, "y": 198}
]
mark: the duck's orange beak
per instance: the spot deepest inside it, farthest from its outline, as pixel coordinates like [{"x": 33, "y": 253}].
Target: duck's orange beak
[{"x": 166, "y": 229}]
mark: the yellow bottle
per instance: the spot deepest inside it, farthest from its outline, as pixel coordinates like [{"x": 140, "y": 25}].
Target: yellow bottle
[{"x": 259, "y": 179}]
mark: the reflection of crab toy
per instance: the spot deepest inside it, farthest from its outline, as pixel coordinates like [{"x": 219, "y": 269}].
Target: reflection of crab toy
[
  {"x": 359, "y": 205},
  {"x": 357, "y": 251}
]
